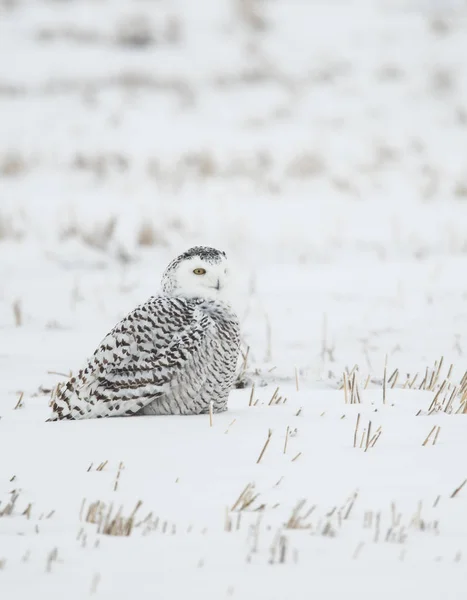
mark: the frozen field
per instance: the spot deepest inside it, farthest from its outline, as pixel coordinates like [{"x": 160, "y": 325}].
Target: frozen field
[{"x": 323, "y": 146}]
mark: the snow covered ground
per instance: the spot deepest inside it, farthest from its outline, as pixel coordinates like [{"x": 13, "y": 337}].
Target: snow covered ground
[{"x": 322, "y": 145}]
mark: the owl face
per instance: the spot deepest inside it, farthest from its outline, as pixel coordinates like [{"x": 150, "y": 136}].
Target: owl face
[{"x": 198, "y": 273}]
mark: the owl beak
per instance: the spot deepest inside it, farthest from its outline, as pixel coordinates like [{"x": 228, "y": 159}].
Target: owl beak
[{"x": 218, "y": 286}]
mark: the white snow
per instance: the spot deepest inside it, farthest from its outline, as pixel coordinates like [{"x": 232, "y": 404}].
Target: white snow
[{"x": 322, "y": 145}]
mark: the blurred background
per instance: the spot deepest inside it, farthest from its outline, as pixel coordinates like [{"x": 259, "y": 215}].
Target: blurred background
[{"x": 322, "y": 144}]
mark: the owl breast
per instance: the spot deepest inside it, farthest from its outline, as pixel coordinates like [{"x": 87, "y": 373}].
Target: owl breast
[{"x": 210, "y": 375}]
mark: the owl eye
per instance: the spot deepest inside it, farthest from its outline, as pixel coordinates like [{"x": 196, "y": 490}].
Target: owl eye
[{"x": 199, "y": 271}]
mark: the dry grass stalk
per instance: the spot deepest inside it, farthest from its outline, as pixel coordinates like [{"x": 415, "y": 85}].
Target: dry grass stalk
[
  {"x": 245, "y": 359},
  {"x": 357, "y": 551},
  {"x": 286, "y": 439},
  {"x": 422, "y": 385},
  {"x": 117, "y": 478},
  {"x": 356, "y": 431},
  {"x": 107, "y": 523},
  {"x": 352, "y": 501},
  {"x": 395, "y": 378},
  {"x": 393, "y": 375},
  {"x": 228, "y": 520},
  {"x": 345, "y": 385},
  {"x": 368, "y": 436},
  {"x": 148, "y": 235},
  {"x": 7, "y": 510},
  {"x": 385, "y": 378},
  {"x": 367, "y": 440},
  {"x": 426, "y": 379},
  {"x": 246, "y": 498},
  {"x": 297, "y": 387},
  {"x": 435, "y": 399},
  {"x": 368, "y": 519},
  {"x": 362, "y": 438},
  {"x": 377, "y": 527},
  {"x": 58, "y": 373},
  {"x": 83, "y": 504},
  {"x": 94, "y": 583},
  {"x": 352, "y": 389},
  {"x": 265, "y": 446},
  {"x": 448, "y": 407},
  {"x": 436, "y": 435},
  {"x": 436, "y": 376},
  {"x": 463, "y": 405},
  {"x": 27, "y": 512},
  {"x": 429, "y": 435},
  {"x": 296, "y": 457},
  {"x": 367, "y": 382},
  {"x": 230, "y": 425},
  {"x": 463, "y": 382},
  {"x": 51, "y": 558},
  {"x": 278, "y": 549},
  {"x": 296, "y": 520},
  {"x": 433, "y": 374},
  {"x": 19, "y": 404},
  {"x": 273, "y": 398},
  {"x": 448, "y": 376},
  {"x": 438, "y": 406},
  {"x": 297, "y": 414},
  {"x": 375, "y": 438},
  {"x": 17, "y": 313},
  {"x": 250, "y": 403},
  {"x": 210, "y": 414},
  {"x": 357, "y": 392},
  {"x": 102, "y": 466},
  {"x": 412, "y": 383},
  {"x": 458, "y": 489}
]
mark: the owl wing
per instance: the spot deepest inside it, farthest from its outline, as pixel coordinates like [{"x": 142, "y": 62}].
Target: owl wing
[{"x": 143, "y": 357}]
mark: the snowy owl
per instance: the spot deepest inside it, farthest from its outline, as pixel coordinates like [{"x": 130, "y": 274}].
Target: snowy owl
[{"x": 174, "y": 354}]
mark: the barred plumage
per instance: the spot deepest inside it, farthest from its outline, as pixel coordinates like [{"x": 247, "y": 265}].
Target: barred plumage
[{"x": 174, "y": 354}]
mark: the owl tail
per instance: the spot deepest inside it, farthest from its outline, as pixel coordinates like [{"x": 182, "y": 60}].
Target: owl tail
[
  {"x": 61, "y": 409},
  {"x": 68, "y": 405}
]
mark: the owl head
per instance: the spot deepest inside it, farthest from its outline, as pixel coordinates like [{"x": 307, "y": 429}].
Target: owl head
[{"x": 200, "y": 272}]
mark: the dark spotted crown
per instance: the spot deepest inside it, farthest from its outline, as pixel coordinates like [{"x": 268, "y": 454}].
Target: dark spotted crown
[
  {"x": 207, "y": 254},
  {"x": 204, "y": 252}
]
